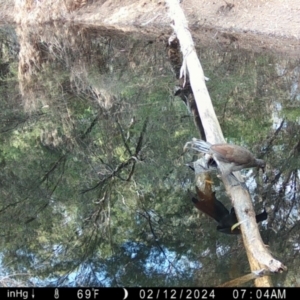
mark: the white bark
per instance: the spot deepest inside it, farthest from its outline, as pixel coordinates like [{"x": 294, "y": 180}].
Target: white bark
[
  {"x": 258, "y": 255},
  {"x": 191, "y": 63}
]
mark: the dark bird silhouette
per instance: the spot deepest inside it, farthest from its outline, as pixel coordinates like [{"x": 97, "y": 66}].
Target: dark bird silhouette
[{"x": 216, "y": 210}]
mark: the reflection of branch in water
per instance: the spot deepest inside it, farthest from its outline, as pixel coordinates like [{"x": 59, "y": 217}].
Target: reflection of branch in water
[
  {"x": 148, "y": 218},
  {"x": 141, "y": 137},
  {"x": 114, "y": 173},
  {"x": 272, "y": 138},
  {"x": 61, "y": 160},
  {"x": 294, "y": 197},
  {"x": 100, "y": 216},
  {"x": 133, "y": 159},
  {"x": 89, "y": 129},
  {"x": 55, "y": 165},
  {"x": 289, "y": 179},
  {"x": 243, "y": 279},
  {"x": 123, "y": 138}
]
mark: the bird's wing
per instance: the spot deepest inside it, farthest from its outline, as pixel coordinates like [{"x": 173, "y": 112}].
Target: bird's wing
[
  {"x": 210, "y": 205},
  {"x": 231, "y": 153}
]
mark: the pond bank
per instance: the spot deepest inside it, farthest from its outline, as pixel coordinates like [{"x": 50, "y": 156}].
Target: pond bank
[{"x": 259, "y": 25}]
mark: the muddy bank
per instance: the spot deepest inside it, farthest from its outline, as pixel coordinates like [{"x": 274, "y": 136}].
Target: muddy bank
[{"x": 259, "y": 25}]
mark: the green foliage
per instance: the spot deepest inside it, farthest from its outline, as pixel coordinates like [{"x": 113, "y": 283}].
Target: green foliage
[{"x": 93, "y": 176}]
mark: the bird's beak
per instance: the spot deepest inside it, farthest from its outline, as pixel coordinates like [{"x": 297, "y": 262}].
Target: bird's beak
[{"x": 186, "y": 146}]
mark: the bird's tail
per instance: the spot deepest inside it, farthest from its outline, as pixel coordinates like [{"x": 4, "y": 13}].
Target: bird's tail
[
  {"x": 262, "y": 217},
  {"x": 200, "y": 146}
]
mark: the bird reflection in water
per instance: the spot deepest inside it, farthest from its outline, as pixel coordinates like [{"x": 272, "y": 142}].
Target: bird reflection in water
[{"x": 214, "y": 208}]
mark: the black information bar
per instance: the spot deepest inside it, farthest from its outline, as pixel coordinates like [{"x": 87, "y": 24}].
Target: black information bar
[{"x": 148, "y": 293}]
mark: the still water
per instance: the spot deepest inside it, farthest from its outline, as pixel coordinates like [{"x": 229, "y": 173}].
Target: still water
[{"x": 94, "y": 183}]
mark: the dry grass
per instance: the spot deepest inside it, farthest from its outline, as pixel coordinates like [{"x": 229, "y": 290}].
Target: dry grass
[
  {"x": 33, "y": 11},
  {"x": 73, "y": 5},
  {"x": 6, "y": 11}
]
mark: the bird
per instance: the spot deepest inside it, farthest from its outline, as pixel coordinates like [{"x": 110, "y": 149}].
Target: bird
[
  {"x": 215, "y": 209},
  {"x": 232, "y": 157}
]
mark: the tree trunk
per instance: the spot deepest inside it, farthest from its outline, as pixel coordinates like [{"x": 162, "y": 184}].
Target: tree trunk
[{"x": 258, "y": 255}]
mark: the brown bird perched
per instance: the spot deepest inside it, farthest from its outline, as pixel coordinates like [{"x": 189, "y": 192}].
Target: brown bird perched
[
  {"x": 233, "y": 157},
  {"x": 216, "y": 210}
]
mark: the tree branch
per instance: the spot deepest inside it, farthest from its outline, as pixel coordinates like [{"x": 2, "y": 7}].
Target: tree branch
[{"x": 258, "y": 255}]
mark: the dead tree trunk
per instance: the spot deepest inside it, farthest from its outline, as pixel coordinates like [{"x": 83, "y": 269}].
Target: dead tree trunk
[{"x": 258, "y": 255}]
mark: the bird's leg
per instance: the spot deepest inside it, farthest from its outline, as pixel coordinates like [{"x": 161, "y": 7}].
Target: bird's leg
[{"x": 234, "y": 181}]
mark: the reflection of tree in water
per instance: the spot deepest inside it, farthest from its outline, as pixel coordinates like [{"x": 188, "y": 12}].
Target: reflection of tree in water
[
  {"x": 282, "y": 195},
  {"x": 93, "y": 184}
]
